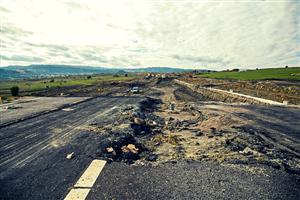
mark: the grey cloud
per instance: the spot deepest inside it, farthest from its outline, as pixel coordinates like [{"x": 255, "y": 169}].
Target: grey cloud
[
  {"x": 49, "y": 46},
  {"x": 62, "y": 54},
  {"x": 21, "y": 58},
  {"x": 200, "y": 59},
  {"x": 141, "y": 50},
  {"x": 9, "y": 30},
  {"x": 93, "y": 57},
  {"x": 125, "y": 60},
  {"x": 75, "y": 5},
  {"x": 4, "y": 10},
  {"x": 176, "y": 34}
]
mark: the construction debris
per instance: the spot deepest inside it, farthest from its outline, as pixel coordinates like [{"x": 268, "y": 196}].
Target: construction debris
[
  {"x": 130, "y": 148},
  {"x": 70, "y": 156},
  {"x": 155, "y": 132}
]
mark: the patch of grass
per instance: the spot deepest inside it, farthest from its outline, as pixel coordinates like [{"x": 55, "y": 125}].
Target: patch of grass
[
  {"x": 292, "y": 73},
  {"x": 40, "y": 84}
]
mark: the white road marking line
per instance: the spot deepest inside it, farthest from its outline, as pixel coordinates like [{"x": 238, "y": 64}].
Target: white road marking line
[
  {"x": 86, "y": 181},
  {"x": 78, "y": 194},
  {"x": 91, "y": 174}
]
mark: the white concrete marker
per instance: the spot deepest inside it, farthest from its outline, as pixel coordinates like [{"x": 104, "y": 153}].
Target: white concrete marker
[{"x": 86, "y": 181}]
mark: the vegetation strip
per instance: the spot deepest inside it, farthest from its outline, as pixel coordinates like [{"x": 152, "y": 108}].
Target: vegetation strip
[{"x": 291, "y": 73}]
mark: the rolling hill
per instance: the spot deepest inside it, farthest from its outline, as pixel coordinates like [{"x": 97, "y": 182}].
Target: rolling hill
[{"x": 36, "y": 71}]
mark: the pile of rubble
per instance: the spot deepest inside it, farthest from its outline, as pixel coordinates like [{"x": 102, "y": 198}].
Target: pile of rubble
[
  {"x": 125, "y": 138},
  {"x": 157, "y": 132},
  {"x": 198, "y": 132}
]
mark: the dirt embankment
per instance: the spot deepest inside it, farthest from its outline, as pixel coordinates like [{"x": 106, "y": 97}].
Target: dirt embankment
[
  {"x": 223, "y": 96},
  {"x": 212, "y": 132},
  {"x": 276, "y": 90}
]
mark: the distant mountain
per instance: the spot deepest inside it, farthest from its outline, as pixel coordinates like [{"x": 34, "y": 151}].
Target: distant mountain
[
  {"x": 37, "y": 71},
  {"x": 159, "y": 70},
  {"x": 9, "y": 74}
]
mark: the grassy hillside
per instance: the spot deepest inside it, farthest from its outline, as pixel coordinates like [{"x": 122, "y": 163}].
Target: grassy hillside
[
  {"x": 34, "y": 85},
  {"x": 292, "y": 73}
]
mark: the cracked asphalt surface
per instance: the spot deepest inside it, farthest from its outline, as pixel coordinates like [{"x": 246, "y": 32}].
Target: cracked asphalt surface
[{"x": 33, "y": 164}]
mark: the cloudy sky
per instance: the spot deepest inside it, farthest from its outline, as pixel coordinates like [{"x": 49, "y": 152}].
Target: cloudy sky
[{"x": 188, "y": 34}]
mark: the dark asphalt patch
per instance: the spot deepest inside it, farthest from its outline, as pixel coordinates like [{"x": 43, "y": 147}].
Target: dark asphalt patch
[{"x": 192, "y": 180}]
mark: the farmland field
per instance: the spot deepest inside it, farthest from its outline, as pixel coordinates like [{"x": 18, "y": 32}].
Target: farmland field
[
  {"x": 45, "y": 83},
  {"x": 272, "y": 73}
]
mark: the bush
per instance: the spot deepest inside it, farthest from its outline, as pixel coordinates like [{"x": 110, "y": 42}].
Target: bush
[
  {"x": 89, "y": 77},
  {"x": 52, "y": 80},
  {"x": 14, "y": 91}
]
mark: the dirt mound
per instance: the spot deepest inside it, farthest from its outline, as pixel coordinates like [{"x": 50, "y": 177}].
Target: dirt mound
[{"x": 124, "y": 139}]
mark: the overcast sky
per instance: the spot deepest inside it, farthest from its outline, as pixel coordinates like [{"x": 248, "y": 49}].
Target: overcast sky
[{"x": 187, "y": 34}]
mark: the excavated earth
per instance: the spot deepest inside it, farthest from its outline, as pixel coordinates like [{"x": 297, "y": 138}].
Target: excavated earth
[
  {"x": 277, "y": 90},
  {"x": 176, "y": 124}
]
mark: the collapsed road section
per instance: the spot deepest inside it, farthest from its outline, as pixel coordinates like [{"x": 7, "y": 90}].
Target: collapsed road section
[
  {"x": 174, "y": 133},
  {"x": 183, "y": 125},
  {"x": 34, "y": 153}
]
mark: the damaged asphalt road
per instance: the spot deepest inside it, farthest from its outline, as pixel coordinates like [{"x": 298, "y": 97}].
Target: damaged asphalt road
[
  {"x": 33, "y": 162},
  {"x": 176, "y": 146}
]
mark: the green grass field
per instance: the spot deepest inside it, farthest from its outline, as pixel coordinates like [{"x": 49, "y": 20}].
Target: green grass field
[
  {"x": 34, "y": 85},
  {"x": 292, "y": 73}
]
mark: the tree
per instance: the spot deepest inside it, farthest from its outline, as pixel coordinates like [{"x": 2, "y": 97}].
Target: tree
[
  {"x": 14, "y": 91},
  {"x": 286, "y": 66},
  {"x": 89, "y": 77}
]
